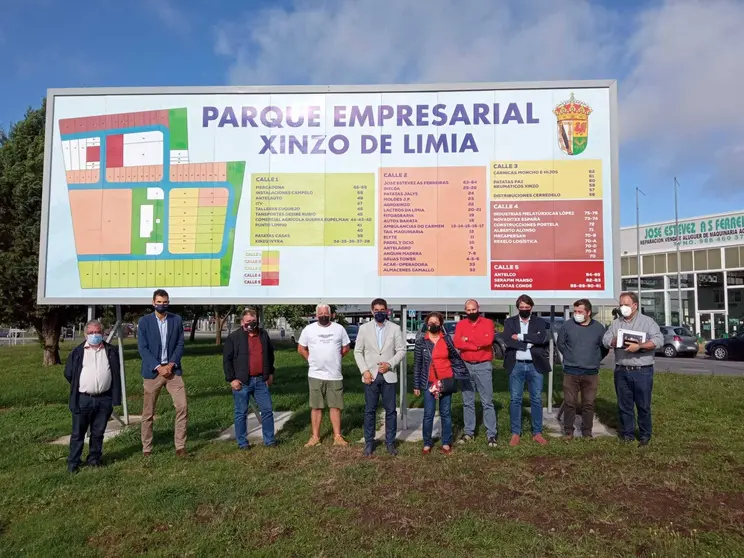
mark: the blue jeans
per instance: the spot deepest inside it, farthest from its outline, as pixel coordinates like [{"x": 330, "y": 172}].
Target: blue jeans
[
  {"x": 372, "y": 394},
  {"x": 525, "y": 371},
  {"x": 633, "y": 388},
  {"x": 260, "y": 391},
  {"x": 445, "y": 414}
]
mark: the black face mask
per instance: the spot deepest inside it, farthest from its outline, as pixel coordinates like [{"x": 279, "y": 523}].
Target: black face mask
[
  {"x": 524, "y": 314},
  {"x": 472, "y": 316},
  {"x": 161, "y": 308},
  {"x": 324, "y": 320},
  {"x": 435, "y": 328},
  {"x": 380, "y": 317},
  {"x": 250, "y": 326}
]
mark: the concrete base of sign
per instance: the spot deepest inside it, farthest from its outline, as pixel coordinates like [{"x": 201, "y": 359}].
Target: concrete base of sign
[
  {"x": 414, "y": 432},
  {"x": 254, "y": 427},
  {"x": 113, "y": 428},
  {"x": 554, "y": 427}
]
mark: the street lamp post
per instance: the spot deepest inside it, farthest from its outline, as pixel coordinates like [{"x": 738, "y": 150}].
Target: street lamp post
[{"x": 638, "y": 245}]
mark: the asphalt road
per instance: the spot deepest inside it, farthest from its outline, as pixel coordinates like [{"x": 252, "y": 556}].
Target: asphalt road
[{"x": 698, "y": 366}]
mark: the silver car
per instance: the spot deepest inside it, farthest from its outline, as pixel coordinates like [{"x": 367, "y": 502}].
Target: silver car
[{"x": 678, "y": 341}]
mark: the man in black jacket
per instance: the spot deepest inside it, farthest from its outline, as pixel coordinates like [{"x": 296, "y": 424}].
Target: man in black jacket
[
  {"x": 248, "y": 362},
  {"x": 526, "y": 359},
  {"x": 92, "y": 369}
]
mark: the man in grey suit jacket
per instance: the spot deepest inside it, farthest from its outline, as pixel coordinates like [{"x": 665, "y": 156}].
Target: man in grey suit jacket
[{"x": 379, "y": 350}]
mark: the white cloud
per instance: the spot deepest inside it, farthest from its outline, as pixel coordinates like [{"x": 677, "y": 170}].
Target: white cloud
[
  {"x": 682, "y": 60},
  {"x": 169, "y": 15},
  {"x": 683, "y": 95},
  {"x": 385, "y": 41}
]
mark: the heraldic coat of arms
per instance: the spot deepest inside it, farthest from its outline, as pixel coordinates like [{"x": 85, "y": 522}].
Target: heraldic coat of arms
[{"x": 573, "y": 125}]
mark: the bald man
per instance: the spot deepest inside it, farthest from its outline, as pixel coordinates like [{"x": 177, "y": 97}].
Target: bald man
[{"x": 474, "y": 339}]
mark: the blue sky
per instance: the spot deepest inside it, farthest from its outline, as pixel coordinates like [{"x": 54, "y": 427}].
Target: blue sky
[{"x": 679, "y": 64}]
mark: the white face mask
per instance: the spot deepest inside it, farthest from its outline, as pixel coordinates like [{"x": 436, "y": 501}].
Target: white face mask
[
  {"x": 626, "y": 311},
  {"x": 579, "y": 318}
]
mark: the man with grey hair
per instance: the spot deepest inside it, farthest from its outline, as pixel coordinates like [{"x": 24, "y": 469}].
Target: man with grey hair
[
  {"x": 323, "y": 344},
  {"x": 92, "y": 369}
]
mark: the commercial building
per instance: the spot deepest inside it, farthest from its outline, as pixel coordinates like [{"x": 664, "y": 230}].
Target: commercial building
[
  {"x": 705, "y": 270},
  {"x": 706, "y": 273}
]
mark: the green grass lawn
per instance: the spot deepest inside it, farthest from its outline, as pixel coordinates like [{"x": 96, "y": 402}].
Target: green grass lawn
[{"x": 682, "y": 496}]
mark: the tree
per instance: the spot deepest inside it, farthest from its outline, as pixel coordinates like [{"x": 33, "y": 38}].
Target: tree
[
  {"x": 193, "y": 313},
  {"x": 295, "y": 314},
  {"x": 221, "y": 314},
  {"x": 21, "y": 171}
]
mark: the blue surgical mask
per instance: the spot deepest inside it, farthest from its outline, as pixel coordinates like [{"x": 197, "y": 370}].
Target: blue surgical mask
[
  {"x": 95, "y": 338},
  {"x": 161, "y": 308},
  {"x": 380, "y": 317}
]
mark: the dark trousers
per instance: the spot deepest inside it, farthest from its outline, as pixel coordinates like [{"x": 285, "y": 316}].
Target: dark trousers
[
  {"x": 573, "y": 385},
  {"x": 633, "y": 388},
  {"x": 372, "y": 394},
  {"x": 95, "y": 412}
]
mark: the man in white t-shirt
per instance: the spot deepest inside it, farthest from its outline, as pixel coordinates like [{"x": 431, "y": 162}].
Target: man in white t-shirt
[{"x": 323, "y": 344}]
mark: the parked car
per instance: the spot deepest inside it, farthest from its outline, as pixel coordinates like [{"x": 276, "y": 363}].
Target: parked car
[
  {"x": 724, "y": 349},
  {"x": 678, "y": 341}
]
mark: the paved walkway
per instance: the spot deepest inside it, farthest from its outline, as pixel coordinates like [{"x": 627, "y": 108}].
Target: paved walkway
[
  {"x": 413, "y": 433},
  {"x": 113, "y": 428},
  {"x": 416, "y": 417},
  {"x": 254, "y": 427},
  {"x": 554, "y": 427}
]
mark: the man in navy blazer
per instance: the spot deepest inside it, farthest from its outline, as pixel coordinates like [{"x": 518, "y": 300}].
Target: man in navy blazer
[
  {"x": 160, "y": 343},
  {"x": 526, "y": 360}
]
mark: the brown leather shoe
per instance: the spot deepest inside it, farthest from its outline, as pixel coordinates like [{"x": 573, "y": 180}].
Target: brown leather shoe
[
  {"x": 146, "y": 454},
  {"x": 181, "y": 453},
  {"x": 540, "y": 440},
  {"x": 514, "y": 440}
]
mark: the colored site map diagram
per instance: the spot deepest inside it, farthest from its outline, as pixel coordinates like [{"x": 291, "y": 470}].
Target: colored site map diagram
[{"x": 143, "y": 215}]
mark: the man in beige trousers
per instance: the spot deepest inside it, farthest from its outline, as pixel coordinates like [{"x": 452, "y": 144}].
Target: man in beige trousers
[{"x": 160, "y": 343}]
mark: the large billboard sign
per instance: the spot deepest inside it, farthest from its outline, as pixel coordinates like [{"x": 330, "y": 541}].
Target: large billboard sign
[{"x": 419, "y": 194}]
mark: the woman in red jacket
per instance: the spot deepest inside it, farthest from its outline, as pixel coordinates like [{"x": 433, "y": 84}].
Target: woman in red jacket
[{"x": 436, "y": 364}]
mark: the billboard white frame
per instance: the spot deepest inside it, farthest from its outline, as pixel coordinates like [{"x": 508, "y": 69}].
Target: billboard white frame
[{"x": 52, "y": 94}]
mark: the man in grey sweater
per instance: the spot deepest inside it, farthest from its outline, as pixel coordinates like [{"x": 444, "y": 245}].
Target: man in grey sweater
[
  {"x": 634, "y": 368},
  {"x": 580, "y": 343}
]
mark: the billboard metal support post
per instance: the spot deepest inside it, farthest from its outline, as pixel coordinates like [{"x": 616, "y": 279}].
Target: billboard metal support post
[
  {"x": 252, "y": 405},
  {"x": 118, "y": 331},
  {"x": 404, "y": 371},
  {"x": 552, "y": 353}
]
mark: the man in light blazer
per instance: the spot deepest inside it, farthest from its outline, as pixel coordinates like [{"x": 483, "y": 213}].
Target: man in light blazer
[
  {"x": 379, "y": 350},
  {"x": 160, "y": 344}
]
